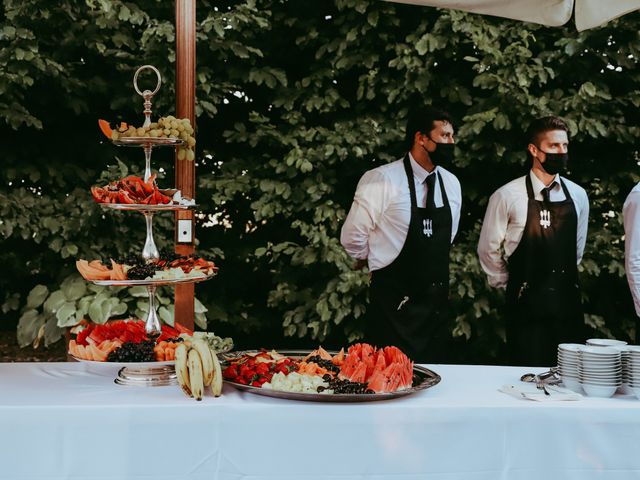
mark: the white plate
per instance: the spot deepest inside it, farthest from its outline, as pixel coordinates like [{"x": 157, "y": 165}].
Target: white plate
[
  {"x": 599, "y": 351},
  {"x": 599, "y": 391},
  {"x": 605, "y": 342}
]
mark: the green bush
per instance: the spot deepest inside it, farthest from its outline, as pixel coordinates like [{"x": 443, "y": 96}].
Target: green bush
[{"x": 295, "y": 101}]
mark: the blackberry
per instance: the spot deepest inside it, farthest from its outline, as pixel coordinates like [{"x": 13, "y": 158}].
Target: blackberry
[
  {"x": 134, "y": 352},
  {"x": 344, "y": 386},
  {"x": 327, "y": 364},
  {"x": 140, "y": 272}
]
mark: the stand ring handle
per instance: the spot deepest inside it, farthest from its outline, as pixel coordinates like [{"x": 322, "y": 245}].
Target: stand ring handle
[{"x": 135, "y": 80}]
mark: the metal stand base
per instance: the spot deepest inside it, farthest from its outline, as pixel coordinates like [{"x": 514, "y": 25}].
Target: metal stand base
[{"x": 147, "y": 376}]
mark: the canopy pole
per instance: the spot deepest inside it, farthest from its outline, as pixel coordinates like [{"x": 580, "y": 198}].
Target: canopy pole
[{"x": 185, "y": 169}]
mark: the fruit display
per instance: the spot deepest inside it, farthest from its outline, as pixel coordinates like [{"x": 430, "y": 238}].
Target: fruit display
[
  {"x": 197, "y": 367},
  {"x": 167, "y": 267},
  {"x": 364, "y": 369},
  {"x": 124, "y": 341},
  {"x": 133, "y": 190},
  {"x": 153, "y": 268},
  {"x": 165, "y": 127}
]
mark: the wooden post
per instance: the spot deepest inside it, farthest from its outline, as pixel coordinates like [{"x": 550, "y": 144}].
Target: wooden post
[{"x": 185, "y": 169}]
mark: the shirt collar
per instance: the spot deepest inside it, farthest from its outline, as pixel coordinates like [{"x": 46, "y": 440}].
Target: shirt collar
[
  {"x": 419, "y": 173},
  {"x": 537, "y": 184}
]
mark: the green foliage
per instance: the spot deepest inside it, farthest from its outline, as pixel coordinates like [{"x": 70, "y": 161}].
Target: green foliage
[
  {"x": 46, "y": 314},
  {"x": 295, "y": 101}
]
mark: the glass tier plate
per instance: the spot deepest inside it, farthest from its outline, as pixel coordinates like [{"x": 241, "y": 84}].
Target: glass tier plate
[
  {"x": 158, "y": 283},
  {"x": 140, "y": 207},
  {"x": 147, "y": 141},
  {"x": 423, "y": 378}
]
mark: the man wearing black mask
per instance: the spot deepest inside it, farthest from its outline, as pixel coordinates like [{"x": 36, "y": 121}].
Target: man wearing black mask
[
  {"x": 403, "y": 219},
  {"x": 532, "y": 240}
]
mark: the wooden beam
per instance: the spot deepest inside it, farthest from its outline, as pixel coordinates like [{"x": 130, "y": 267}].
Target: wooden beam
[{"x": 185, "y": 169}]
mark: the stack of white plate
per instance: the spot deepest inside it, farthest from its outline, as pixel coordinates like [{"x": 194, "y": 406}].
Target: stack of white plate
[
  {"x": 568, "y": 365},
  {"x": 599, "y": 370},
  {"x": 632, "y": 353},
  {"x": 621, "y": 346}
]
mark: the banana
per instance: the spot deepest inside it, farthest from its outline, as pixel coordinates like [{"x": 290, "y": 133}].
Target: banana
[
  {"x": 202, "y": 346},
  {"x": 182, "y": 371},
  {"x": 216, "y": 384},
  {"x": 194, "y": 362}
]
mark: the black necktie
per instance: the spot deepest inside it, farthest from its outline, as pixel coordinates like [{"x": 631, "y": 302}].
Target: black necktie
[
  {"x": 546, "y": 191},
  {"x": 431, "y": 187}
]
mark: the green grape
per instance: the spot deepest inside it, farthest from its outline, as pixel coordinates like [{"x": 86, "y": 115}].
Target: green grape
[
  {"x": 191, "y": 142},
  {"x": 190, "y": 155},
  {"x": 166, "y": 131},
  {"x": 182, "y": 153}
]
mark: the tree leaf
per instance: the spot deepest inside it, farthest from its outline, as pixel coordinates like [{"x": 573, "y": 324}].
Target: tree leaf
[{"x": 37, "y": 296}]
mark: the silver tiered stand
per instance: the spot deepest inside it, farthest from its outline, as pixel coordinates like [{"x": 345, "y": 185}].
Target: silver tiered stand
[{"x": 150, "y": 373}]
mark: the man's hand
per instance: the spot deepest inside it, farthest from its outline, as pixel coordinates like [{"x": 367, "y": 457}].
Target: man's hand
[{"x": 360, "y": 264}]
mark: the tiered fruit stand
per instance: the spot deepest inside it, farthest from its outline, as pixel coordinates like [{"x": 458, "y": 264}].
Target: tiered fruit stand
[{"x": 150, "y": 373}]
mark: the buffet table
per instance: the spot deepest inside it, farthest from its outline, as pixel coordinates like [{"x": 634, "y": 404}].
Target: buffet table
[{"x": 70, "y": 421}]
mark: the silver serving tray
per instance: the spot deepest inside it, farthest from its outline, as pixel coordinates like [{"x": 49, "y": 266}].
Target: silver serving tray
[
  {"x": 423, "y": 378},
  {"x": 130, "y": 365},
  {"x": 141, "y": 207},
  {"x": 147, "y": 141},
  {"x": 158, "y": 283}
]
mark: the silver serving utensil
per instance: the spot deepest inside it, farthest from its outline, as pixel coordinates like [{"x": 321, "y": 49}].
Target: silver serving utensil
[
  {"x": 540, "y": 385},
  {"x": 549, "y": 377}
]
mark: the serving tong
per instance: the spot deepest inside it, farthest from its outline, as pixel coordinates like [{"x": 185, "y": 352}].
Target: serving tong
[{"x": 550, "y": 377}]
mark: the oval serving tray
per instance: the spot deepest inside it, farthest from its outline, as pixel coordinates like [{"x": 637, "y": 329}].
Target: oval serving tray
[{"x": 423, "y": 378}]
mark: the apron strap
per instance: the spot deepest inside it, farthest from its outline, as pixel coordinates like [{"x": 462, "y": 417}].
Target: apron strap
[
  {"x": 411, "y": 181},
  {"x": 565, "y": 189},
  {"x": 443, "y": 192},
  {"x": 530, "y": 193}
]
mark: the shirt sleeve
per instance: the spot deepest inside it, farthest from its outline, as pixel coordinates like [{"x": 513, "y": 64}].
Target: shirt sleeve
[
  {"x": 492, "y": 237},
  {"x": 583, "y": 225},
  {"x": 366, "y": 211},
  {"x": 631, "y": 214},
  {"x": 455, "y": 202}
]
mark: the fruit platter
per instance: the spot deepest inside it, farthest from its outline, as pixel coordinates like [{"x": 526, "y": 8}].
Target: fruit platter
[
  {"x": 133, "y": 193},
  {"x": 142, "y": 360},
  {"x": 363, "y": 374},
  {"x": 169, "y": 268}
]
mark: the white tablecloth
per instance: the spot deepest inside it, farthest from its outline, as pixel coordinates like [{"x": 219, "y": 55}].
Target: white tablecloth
[{"x": 70, "y": 421}]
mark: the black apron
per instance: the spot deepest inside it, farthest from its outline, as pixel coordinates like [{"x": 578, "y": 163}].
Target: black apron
[
  {"x": 543, "y": 296},
  {"x": 408, "y": 299}
]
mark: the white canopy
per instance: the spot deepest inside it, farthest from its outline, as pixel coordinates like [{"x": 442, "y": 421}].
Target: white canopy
[{"x": 589, "y": 13}]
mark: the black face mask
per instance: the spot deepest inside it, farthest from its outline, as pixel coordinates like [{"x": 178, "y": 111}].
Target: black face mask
[
  {"x": 555, "y": 163},
  {"x": 442, "y": 154}
]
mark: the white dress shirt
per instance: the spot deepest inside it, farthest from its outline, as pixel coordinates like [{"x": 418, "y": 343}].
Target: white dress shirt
[
  {"x": 506, "y": 217},
  {"x": 377, "y": 224},
  {"x": 631, "y": 213}
]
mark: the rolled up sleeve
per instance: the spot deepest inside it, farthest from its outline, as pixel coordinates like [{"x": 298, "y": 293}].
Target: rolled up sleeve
[
  {"x": 492, "y": 237},
  {"x": 365, "y": 213}
]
